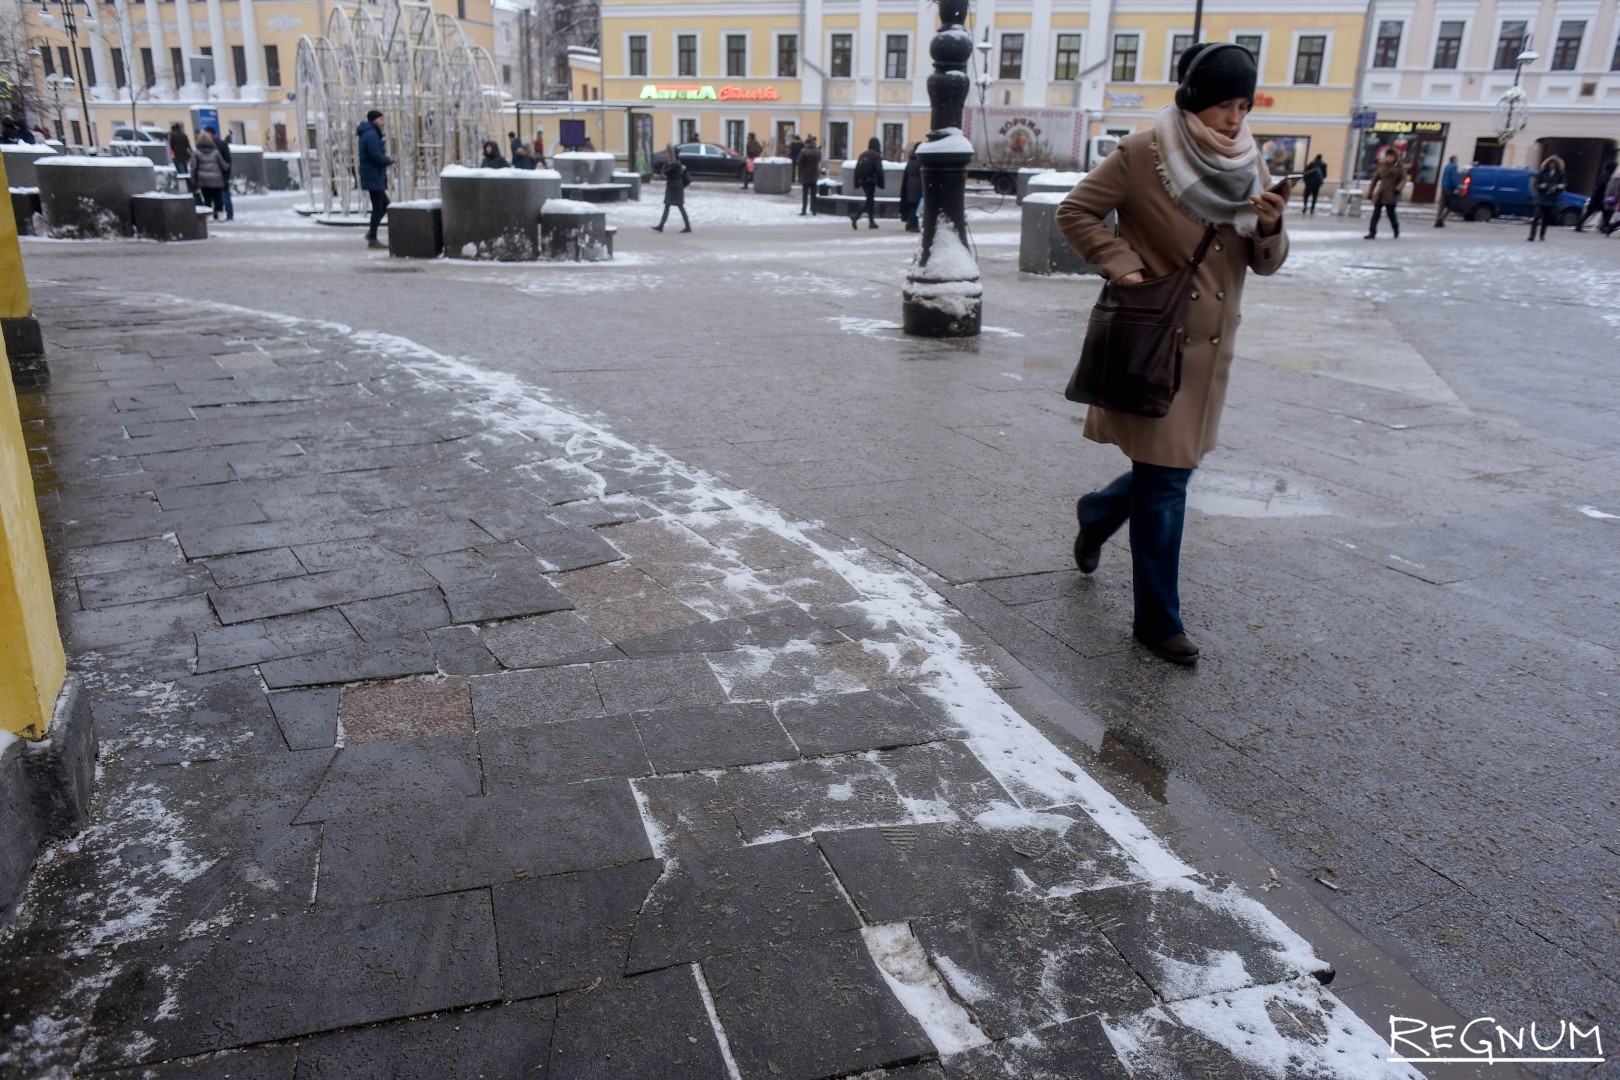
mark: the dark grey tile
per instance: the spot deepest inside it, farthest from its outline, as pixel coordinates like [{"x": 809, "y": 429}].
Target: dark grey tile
[
  {"x": 153, "y": 621},
  {"x": 330, "y": 589},
  {"x": 307, "y": 718},
  {"x": 689, "y": 813},
  {"x": 1076, "y": 1048},
  {"x": 201, "y": 542},
  {"x": 494, "y": 583},
  {"x": 375, "y": 778},
  {"x": 651, "y": 1027},
  {"x": 765, "y": 629},
  {"x": 559, "y": 638},
  {"x": 222, "y": 647},
  {"x": 656, "y": 683},
  {"x": 507, "y": 1040},
  {"x": 570, "y": 549},
  {"x": 275, "y": 1062},
  {"x": 200, "y": 718},
  {"x": 139, "y": 586},
  {"x": 570, "y": 930},
  {"x": 868, "y": 720},
  {"x": 567, "y": 752},
  {"x": 390, "y": 658},
  {"x": 713, "y": 737},
  {"x": 460, "y": 651},
  {"x": 393, "y": 616},
  {"x": 256, "y": 566},
  {"x": 540, "y": 696}
]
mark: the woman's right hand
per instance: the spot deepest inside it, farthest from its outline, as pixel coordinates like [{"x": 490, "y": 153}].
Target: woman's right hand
[{"x": 1133, "y": 278}]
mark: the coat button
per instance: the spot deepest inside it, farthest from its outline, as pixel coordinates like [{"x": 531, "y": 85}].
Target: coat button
[
  {"x": 1219, "y": 246},
  {"x": 1195, "y": 294},
  {"x": 1220, "y": 296},
  {"x": 1189, "y": 339},
  {"x": 1216, "y": 340}
]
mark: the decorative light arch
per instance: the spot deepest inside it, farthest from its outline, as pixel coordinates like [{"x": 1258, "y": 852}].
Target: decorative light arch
[{"x": 436, "y": 88}]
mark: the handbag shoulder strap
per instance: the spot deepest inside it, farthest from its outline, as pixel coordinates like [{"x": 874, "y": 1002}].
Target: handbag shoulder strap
[{"x": 1203, "y": 248}]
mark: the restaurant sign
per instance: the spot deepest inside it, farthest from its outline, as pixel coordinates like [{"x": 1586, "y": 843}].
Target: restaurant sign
[{"x": 706, "y": 92}]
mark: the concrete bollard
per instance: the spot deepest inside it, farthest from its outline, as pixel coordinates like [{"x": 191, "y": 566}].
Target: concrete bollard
[
  {"x": 573, "y": 230},
  {"x": 494, "y": 213},
  {"x": 773, "y": 175},
  {"x": 247, "y": 170},
  {"x": 89, "y": 197},
  {"x": 633, "y": 179},
  {"x": 167, "y": 217},
  {"x": 281, "y": 171},
  {"x": 24, "y": 205},
  {"x": 20, "y": 158},
  {"x": 416, "y": 229},
  {"x": 1042, "y": 248}
]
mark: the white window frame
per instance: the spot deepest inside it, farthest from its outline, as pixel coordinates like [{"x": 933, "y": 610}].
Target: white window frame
[
  {"x": 675, "y": 54},
  {"x": 849, "y": 126},
  {"x": 1265, "y": 47},
  {"x": 1529, "y": 21},
  {"x": 644, "y": 35},
  {"x": 776, "y": 53},
  {"x": 1327, "y": 55},
  {"x": 911, "y": 55},
  {"x": 1169, "y": 48},
  {"x": 1405, "y": 19},
  {"x": 1583, "y": 54},
  {"x": 697, "y": 130},
  {"x": 854, "y": 51},
  {"x": 725, "y": 53},
  {"x": 1051, "y": 56},
  {"x": 742, "y": 121},
  {"x": 1113, "y": 39},
  {"x": 1443, "y": 16}
]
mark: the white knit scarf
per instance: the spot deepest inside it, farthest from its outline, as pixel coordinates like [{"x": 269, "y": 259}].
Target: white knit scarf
[{"x": 1212, "y": 178}]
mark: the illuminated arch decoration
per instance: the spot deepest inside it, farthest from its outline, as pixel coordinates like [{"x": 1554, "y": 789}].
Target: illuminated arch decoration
[{"x": 436, "y": 88}]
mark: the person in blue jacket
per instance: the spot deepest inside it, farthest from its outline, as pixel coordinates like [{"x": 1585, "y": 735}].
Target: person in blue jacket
[
  {"x": 374, "y": 162},
  {"x": 1450, "y": 188}
]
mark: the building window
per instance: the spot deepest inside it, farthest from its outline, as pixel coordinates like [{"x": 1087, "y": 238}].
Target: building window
[
  {"x": 239, "y": 64},
  {"x": 894, "y": 142},
  {"x": 688, "y": 130},
  {"x": 787, "y": 56},
  {"x": 1387, "y": 47},
  {"x": 1308, "y": 60},
  {"x": 1448, "y": 46},
  {"x": 638, "y": 56},
  {"x": 837, "y": 140},
  {"x": 1067, "y": 68},
  {"x": 1567, "y": 49},
  {"x": 67, "y": 59},
  {"x": 1253, "y": 42},
  {"x": 87, "y": 66},
  {"x": 177, "y": 67},
  {"x": 1509, "y": 44},
  {"x": 735, "y": 136},
  {"x": 47, "y": 61},
  {"x": 148, "y": 69},
  {"x": 272, "y": 66},
  {"x": 1179, "y": 43},
  {"x": 895, "y": 47},
  {"x": 461, "y": 9},
  {"x": 686, "y": 57},
  {"x": 119, "y": 79},
  {"x": 736, "y": 56},
  {"x": 1125, "y": 48},
  {"x": 1012, "y": 56},
  {"x": 842, "y": 59},
  {"x": 506, "y": 74},
  {"x": 1614, "y": 64}
]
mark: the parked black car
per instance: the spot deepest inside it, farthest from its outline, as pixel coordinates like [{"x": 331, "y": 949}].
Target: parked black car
[{"x": 704, "y": 159}]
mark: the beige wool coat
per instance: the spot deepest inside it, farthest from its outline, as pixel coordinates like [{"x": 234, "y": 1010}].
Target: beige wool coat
[{"x": 1157, "y": 238}]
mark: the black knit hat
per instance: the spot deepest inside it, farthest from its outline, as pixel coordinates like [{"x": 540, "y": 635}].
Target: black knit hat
[
  {"x": 373, "y": 114},
  {"x": 1227, "y": 72}
]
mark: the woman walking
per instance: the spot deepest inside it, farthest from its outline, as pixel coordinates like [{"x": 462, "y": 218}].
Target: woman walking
[
  {"x": 675, "y": 180},
  {"x": 752, "y": 149},
  {"x": 868, "y": 178},
  {"x": 1314, "y": 177},
  {"x": 1547, "y": 185},
  {"x": 1196, "y": 176},
  {"x": 208, "y": 172},
  {"x": 1387, "y": 181}
]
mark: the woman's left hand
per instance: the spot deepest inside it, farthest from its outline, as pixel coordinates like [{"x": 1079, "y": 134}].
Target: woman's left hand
[{"x": 1269, "y": 206}]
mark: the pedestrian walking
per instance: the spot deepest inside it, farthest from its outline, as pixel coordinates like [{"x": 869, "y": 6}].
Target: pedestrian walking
[
  {"x": 753, "y": 150},
  {"x": 522, "y": 156},
  {"x": 223, "y": 145},
  {"x": 540, "y": 147},
  {"x": 512, "y": 143},
  {"x": 208, "y": 172},
  {"x": 1313, "y": 178},
  {"x": 868, "y": 178},
  {"x": 675, "y": 180},
  {"x": 1611, "y": 203},
  {"x": 1600, "y": 188},
  {"x": 1450, "y": 191},
  {"x": 1387, "y": 181},
  {"x": 1546, "y": 186},
  {"x": 180, "y": 154},
  {"x": 911, "y": 190},
  {"x": 374, "y": 162},
  {"x": 795, "y": 148},
  {"x": 809, "y": 169},
  {"x": 1197, "y": 179},
  {"x": 13, "y": 130},
  {"x": 492, "y": 157}
]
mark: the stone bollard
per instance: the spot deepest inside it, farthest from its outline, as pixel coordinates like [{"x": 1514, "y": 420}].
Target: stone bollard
[
  {"x": 573, "y": 230},
  {"x": 24, "y": 205},
  {"x": 571, "y": 167},
  {"x": 416, "y": 229},
  {"x": 633, "y": 179},
  {"x": 20, "y": 158},
  {"x": 247, "y": 170},
  {"x": 281, "y": 171},
  {"x": 1023, "y": 180},
  {"x": 1051, "y": 181},
  {"x": 773, "y": 175},
  {"x": 494, "y": 213},
  {"x": 89, "y": 197},
  {"x": 156, "y": 153},
  {"x": 167, "y": 217},
  {"x": 1042, "y": 248}
]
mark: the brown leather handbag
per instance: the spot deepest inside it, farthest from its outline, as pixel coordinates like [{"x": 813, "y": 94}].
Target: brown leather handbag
[{"x": 1131, "y": 359}]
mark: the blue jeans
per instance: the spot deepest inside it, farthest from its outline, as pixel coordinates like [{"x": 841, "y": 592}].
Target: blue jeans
[{"x": 1153, "y": 499}]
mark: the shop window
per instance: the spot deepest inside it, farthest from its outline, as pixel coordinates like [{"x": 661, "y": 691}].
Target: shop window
[
  {"x": 686, "y": 58},
  {"x": 1387, "y": 47},
  {"x": 1509, "y": 44},
  {"x": 1448, "y": 46},
  {"x": 895, "y": 50},
  {"x": 1179, "y": 43},
  {"x": 837, "y": 140},
  {"x": 637, "y": 53},
  {"x": 1125, "y": 51},
  {"x": 736, "y": 56},
  {"x": 1253, "y": 42},
  {"x": 688, "y": 130},
  {"x": 787, "y": 56},
  {"x": 842, "y": 58},
  {"x": 272, "y": 65},
  {"x": 1567, "y": 48},
  {"x": 1312, "y": 51},
  {"x": 1067, "y": 68},
  {"x": 1012, "y": 56}
]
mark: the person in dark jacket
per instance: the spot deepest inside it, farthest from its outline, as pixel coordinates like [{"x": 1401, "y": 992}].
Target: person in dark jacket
[
  {"x": 15, "y": 131},
  {"x": 868, "y": 178},
  {"x": 522, "y": 156},
  {"x": 374, "y": 162},
  {"x": 751, "y": 150},
  {"x": 180, "y": 154},
  {"x": 675, "y": 180},
  {"x": 808, "y": 169},
  {"x": 1546, "y": 186},
  {"x": 1388, "y": 180},
  {"x": 1313, "y": 178},
  {"x": 208, "y": 171},
  {"x": 1450, "y": 189},
  {"x": 492, "y": 157},
  {"x": 911, "y": 190},
  {"x": 1594, "y": 204},
  {"x": 795, "y": 148},
  {"x": 223, "y": 145}
]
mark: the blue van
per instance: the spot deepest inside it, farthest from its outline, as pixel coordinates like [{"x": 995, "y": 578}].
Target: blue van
[{"x": 1496, "y": 191}]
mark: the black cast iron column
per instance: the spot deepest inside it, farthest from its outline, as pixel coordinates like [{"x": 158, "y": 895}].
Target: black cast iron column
[{"x": 942, "y": 293}]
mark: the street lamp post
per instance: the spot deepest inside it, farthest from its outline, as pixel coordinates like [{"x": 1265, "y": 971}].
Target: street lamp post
[
  {"x": 56, "y": 84},
  {"x": 1513, "y": 111},
  {"x": 70, "y": 23}
]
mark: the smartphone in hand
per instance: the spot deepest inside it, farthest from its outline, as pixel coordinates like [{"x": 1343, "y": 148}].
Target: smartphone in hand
[{"x": 1282, "y": 186}]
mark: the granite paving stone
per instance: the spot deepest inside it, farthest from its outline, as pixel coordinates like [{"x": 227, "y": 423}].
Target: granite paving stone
[
  {"x": 774, "y": 628},
  {"x": 557, "y": 638},
  {"x": 713, "y": 737},
  {"x": 277, "y": 1061},
  {"x": 570, "y": 549},
  {"x": 898, "y": 872},
  {"x": 566, "y": 752},
  {"x": 390, "y": 658},
  {"x": 651, "y": 1027},
  {"x": 535, "y": 696},
  {"x": 352, "y": 553},
  {"x": 254, "y": 567},
  {"x": 619, "y": 601},
  {"x": 730, "y": 901},
  {"x": 272, "y": 639},
  {"x": 295, "y": 976},
  {"x": 143, "y": 554},
  {"x": 151, "y": 622},
  {"x": 810, "y": 1008},
  {"x": 374, "y": 779},
  {"x": 288, "y": 596},
  {"x": 307, "y": 718},
  {"x": 507, "y": 1040},
  {"x": 405, "y": 709},
  {"x": 139, "y": 586},
  {"x": 418, "y": 531},
  {"x": 1159, "y": 1049},
  {"x": 417, "y": 849},
  {"x": 660, "y": 682},
  {"x": 689, "y": 813},
  {"x": 200, "y": 542},
  {"x": 460, "y": 651},
  {"x": 1075, "y": 1048},
  {"x": 569, "y": 931},
  {"x": 865, "y": 720},
  {"x": 196, "y": 718},
  {"x": 402, "y": 613}
]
